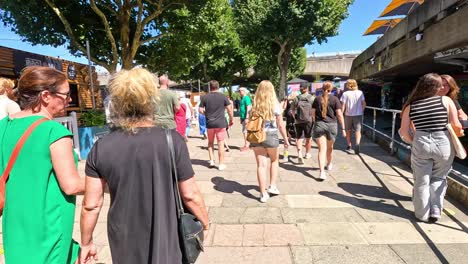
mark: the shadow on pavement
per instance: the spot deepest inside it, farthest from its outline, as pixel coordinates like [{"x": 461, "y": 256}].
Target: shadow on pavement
[
  {"x": 379, "y": 206},
  {"x": 228, "y": 186},
  {"x": 359, "y": 190},
  {"x": 290, "y": 166}
]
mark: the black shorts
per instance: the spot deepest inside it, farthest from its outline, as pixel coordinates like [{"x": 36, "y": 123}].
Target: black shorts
[{"x": 303, "y": 130}]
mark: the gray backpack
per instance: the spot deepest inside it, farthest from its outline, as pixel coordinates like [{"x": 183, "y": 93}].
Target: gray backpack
[{"x": 304, "y": 108}]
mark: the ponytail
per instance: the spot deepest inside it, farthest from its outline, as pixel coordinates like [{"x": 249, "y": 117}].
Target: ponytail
[{"x": 327, "y": 87}]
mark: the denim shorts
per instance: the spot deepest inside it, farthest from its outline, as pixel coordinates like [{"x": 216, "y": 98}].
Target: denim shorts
[
  {"x": 271, "y": 140},
  {"x": 330, "y": 130}
]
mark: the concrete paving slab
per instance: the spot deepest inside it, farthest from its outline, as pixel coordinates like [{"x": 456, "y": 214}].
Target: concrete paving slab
[
  {"x": 302, "y": 255},
  {"x": 390, "y": 233},
  {"x": 385, "y": 214},
  {"x": 245, "y": 255},
  {"x": 320, "y": 215},
  {"x": 319, "y": 201},
  {"x": 294, "y": 188},
  {"x": 253, "y": 235},
  {"x": 279, "y": 235},
  {"x": 433, "y": 254},
  {"x": 446, "y": 232},
  {"x": 213, "y": 200},
  {"x": 221, "y": 215},
  {"x": 228, "y": 235},
  {"x": 261, "y": 215},
  {"x": 355, "y": 254},
  {"x": 331, "y": 234}
]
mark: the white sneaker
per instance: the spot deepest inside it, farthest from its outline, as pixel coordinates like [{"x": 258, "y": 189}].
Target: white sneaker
[
  {"x": 329, "y": 167},
  {"x": 221, "y": 167},
  {"x": 273, "y": 190},
  {"x": 212, "y": 164},
  {"x": 323, "y": 176},
  {"x": 264, "y": 197},
  {"x": 285, "y": 159},
  {"x": 308, "y": 156}
]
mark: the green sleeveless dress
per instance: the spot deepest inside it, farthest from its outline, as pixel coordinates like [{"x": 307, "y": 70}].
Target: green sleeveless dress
[{"x": 38, "y": 217}]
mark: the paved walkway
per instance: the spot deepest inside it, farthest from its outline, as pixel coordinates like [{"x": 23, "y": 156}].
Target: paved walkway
[{"x": 361, "y": 214}]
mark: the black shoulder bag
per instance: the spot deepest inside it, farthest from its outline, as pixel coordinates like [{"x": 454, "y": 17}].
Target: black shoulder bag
[{"x": 190, "y": 228}]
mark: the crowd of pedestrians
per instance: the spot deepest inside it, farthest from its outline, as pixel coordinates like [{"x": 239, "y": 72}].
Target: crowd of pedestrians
[{"x": 134, "y": 162}]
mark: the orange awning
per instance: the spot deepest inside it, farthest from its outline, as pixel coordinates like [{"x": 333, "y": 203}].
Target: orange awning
[
  {"x": 381, "y": 26},
  {"x": 401, "y": 7}
]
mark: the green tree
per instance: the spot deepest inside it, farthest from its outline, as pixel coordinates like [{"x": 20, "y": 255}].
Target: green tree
[
  {"x": 116, "y": 29},
  {"x": 267, "y": 68},
  {"x": 287, "y": 24},
  {"x": 205, "y": 45}
]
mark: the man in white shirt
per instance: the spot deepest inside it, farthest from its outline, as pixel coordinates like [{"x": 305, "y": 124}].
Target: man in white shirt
[
  {"x": 7, "y": 106},
  {"x": 353, "y": 104}
]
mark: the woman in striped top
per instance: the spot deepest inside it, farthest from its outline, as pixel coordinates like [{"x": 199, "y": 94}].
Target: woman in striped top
[{"x": 432, "y": 153}]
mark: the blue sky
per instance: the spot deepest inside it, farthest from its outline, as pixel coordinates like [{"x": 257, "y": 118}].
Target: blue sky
[{"x": 361, "y": 15}]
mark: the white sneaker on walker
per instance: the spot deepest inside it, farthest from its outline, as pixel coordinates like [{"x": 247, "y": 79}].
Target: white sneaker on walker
[
  {"x": 273, "y": 190},
  {"x": 221, "y": 167},
  {"x": 329, "y": 167},
  {"x": 308, "y": 156},
  {"x": 212, "y": 164},
  {"x": 264, "y": 197},
  {"x": 323, "y": 176}
]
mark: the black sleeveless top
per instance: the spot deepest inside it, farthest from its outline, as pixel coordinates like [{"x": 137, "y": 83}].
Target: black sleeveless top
[{"x": 429, "y": 114}]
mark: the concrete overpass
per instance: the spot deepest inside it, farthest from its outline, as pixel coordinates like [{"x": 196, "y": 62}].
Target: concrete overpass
[
  {"x": 433, "y": 38},
  {"x": 338, "y": 65}
]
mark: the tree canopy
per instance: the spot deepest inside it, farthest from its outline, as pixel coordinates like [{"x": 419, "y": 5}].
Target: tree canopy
[
  {"x": 205, "y": 45},
  {"x": 287, "y": 24},
  {"x": 116, "y": 29}
]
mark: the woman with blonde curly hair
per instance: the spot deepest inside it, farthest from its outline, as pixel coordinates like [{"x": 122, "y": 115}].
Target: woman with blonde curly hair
[
  {"x": 266, "y": 104},
  {"x": 451, "y": 89},
  {"x": 134, "y": 162}
]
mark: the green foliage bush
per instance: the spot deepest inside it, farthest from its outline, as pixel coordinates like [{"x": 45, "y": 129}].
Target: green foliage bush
[{"x": 92, "y": 118}]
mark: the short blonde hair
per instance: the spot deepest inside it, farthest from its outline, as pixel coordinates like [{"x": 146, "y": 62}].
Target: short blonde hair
[
  {"x": 351, "y": 84},
  {"x": 6, "y": 84},
  {"x": 132, "y": 97}
]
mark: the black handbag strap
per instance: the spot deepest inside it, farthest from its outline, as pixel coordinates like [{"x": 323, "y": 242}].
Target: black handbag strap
[{"x": 170, "y": 143}]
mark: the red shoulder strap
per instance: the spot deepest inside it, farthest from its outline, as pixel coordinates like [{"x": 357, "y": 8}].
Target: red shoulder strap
[{"x": 18, "y": 147}]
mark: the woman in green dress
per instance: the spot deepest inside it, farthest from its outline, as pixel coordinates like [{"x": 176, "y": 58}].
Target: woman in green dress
[{"x": 40, "y": 193}]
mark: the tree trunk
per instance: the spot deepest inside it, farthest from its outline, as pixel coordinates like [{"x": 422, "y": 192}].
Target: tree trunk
[
  {"x": 283, "y": 63},
  {"x": 126, "y": 49}
]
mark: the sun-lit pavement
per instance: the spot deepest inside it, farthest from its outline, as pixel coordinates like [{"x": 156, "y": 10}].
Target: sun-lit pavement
[{"x": 361, "y": 214}]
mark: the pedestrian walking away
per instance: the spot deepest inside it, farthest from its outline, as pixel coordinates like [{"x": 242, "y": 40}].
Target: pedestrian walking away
[
  {"x": 302, "y": 109},
  {"x": 353, "y": 104},
  {"x": 244, "y": 110},
  {"x": 180, "y": 117},
  {"x": 326, "y": 112},
  {"x": 167, "y": 104},
  {"x": 134, "y": 162},
  {"x": 213, "y": 106},
  {"x": 267, "y": 106},
  {"x": 425, "y": 116}
]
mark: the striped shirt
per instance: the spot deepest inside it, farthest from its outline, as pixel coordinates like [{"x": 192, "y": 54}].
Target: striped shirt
[{"x": 429, "y": 114}]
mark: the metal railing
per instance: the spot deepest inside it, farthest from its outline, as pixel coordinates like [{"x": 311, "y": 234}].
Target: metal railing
[
  {"x": 392, "y": 139},
  {"x": 70, "y": 122}
]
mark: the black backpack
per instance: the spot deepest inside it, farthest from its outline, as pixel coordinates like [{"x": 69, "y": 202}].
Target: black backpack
[{"x": 304, "y": 108}]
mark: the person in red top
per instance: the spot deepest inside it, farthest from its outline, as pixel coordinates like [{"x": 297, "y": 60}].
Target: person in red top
[{"x": 179, "y": 117}]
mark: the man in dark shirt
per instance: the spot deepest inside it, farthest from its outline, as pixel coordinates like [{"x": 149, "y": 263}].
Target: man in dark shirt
[{"x": 213, "y": 106}]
